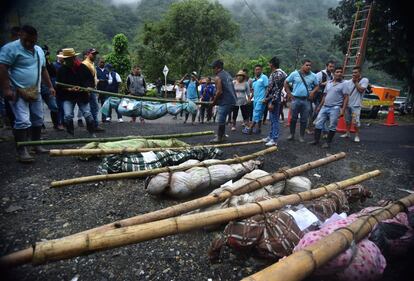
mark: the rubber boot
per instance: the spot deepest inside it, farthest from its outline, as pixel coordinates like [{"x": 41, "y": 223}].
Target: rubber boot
[
  {"x": 220, "y": 134},
  {"x": 54, "y": 117},
  {"x": 90, "y": 126},
  {"x": 70, "y": 127},
  {"x": 36, "y": 132},
  {"x": 328, "y": 142},
  {"x": 302, "y": 132},
  {"x": 23, "y": 155},
  {"x": 292, "y": 131},
  {"x": 317, "y": 136}
]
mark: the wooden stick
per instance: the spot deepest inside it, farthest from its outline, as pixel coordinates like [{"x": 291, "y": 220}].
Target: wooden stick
[
  {"x": 301, "y": 264},
  {"x": 86, "y": 140},
  {"x": 212, "y": 199},
  {"x": 58, "y": 249},
  {"x": 99, "y": 151},
  {"x": 145, "y": 173},
  {"x": 110, "y": 94},
  {"x": 25, "y": 256}
]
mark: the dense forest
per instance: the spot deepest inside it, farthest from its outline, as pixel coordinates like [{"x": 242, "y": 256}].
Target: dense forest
[{"x": 291, "y": 29}]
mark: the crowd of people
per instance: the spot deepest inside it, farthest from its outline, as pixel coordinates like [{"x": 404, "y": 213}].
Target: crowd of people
[{"x": 28, "y": 78}]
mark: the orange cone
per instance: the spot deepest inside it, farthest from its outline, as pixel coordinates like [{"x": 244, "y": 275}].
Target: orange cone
[
  {"x": 341, "y": 127},
  {"x": 390, "y": 117},
  {"x": 289, "y": 117}
]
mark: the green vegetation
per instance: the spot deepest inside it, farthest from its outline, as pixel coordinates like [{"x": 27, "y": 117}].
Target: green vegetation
[{"x": 187, "y": 35}]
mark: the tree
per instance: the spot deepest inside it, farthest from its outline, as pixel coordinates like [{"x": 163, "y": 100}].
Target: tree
[
  {"x": 119, "y": 57},
  {"x": 188, "y": 36},
  {"x": 390, "y": 37}
]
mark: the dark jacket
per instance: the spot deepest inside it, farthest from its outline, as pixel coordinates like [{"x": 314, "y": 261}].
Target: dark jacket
[{"x": 77, "y": 76}]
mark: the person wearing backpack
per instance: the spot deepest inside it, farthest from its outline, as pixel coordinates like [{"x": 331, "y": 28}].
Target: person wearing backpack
[
  {"x": 273, "y": 100},
  {"x": 305, "y": 84},
  {"x": 324, "y": 76}
]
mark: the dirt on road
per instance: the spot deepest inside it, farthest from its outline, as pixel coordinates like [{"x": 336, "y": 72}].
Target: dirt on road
[{"x": 31, "y": 211}]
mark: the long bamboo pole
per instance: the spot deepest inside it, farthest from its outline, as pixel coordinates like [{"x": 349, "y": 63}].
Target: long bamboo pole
[
  {"x": 86, "y": 140},
  {"x": 301, "y": 264},
  {"x": 24, "y": 256},
  {"x": 145, "y": 173},
  {"x": 89, "y": 152},
  {"x": 110, "y": 94},
  {"x": 76, "y": 245}
]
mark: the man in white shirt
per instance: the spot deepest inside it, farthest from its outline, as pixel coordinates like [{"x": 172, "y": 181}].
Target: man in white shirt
[
  {"x": 114, "y": 80},
  {"x": 356, "y": 89}
]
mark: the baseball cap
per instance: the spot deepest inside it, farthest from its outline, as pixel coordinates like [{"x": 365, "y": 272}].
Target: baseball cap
[
  {"x": 92, "y": 51},
  {"x": 217, "y": 63},
  {"x": 194, "y": 73}
]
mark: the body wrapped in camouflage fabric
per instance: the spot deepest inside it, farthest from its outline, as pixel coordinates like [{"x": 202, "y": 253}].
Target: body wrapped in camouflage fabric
[
  {"x": 152, "y": 160},
  {"x": 273, "y": 235}
]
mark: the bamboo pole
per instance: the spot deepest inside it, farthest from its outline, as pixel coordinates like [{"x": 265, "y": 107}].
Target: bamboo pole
[
  {"x": 87, "y": 140},
  {"x": 145, "y": 173},
  {"x": 100, "y": 151},
  {"x": 110, "y": 94},
  {"x": 24, "y": 256},
  {"x": 301, "y": 264},
  {"x": 76, "y": 245}
]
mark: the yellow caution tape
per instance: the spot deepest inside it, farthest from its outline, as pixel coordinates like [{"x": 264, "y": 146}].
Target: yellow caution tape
[{"x": 377, "y": 102}]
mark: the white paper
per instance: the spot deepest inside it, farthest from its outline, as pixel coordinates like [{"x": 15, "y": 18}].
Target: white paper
[
  {"x": 334, "y": 217},
  {"x": 303, "y": 218},
  {"x": 149, "y": 156},
  {"x": 229, "y": 183}
]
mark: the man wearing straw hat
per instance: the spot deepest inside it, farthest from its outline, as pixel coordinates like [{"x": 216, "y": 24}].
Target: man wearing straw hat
[
  {"x": 75, "y": 73},
  {"x": 22, "y": 69}
]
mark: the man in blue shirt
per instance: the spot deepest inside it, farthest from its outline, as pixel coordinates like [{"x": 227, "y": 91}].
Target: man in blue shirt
[
  {"x": 260, "y": 83},
  {"x": 305, "y": 84},
  {"x": 191, "y": 94},
  {"x": 225, "y": 98},
  {"x": 22, "y": 69},
  {"x": 207, "y": 94}
]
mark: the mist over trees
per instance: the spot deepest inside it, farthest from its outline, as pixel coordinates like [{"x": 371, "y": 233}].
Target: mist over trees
[{"x": 290, "y": 29}]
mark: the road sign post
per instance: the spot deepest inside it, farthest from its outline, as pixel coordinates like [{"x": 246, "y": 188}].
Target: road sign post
[{"x": 165, "y": 71}]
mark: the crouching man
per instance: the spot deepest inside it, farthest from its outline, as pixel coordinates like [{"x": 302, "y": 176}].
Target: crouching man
[{"x": 333, "y": 106}]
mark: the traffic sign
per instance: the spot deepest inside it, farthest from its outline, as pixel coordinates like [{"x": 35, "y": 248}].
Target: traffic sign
[{"x": 165, "y": 71}]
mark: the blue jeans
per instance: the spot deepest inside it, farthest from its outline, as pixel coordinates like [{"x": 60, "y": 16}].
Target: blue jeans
[
  {"x": 48, "y": 98},
  {"x": 61, "y": 113},
  {"x": 68, "y": 107},
  {"x": 27, "y": 114},
  {"x": 222, "y": 112},
  {"x": 94, "y": 107},
  {"x": 274, "y": 122},
  {"x": 302, "y": 107},
  {"x": 332, "y": 114}
]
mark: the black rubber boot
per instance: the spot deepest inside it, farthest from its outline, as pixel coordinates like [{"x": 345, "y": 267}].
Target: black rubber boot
[
  {"x": 90, "y": 126},
  {"x": 36, "y": 132},
  {"x": 292, "y": 131},
  {"x": 302, "y": 132},
  {"x": 317, "y": 136},
  {"x": 70, "y": 127},
  {"x": 23, "y": 155},
  {"x": 331, "y": 134},
  {"x": 54, "y": 117},
  {"x": 220, "y": 138}
]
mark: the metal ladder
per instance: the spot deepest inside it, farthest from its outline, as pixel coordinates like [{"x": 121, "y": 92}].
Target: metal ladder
[{"x": 358, "y": 41}]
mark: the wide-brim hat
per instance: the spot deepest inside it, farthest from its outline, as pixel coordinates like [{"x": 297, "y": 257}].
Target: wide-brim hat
[
  {"x": 67, "y": 53},
  {"x": 241, "y": 73}
]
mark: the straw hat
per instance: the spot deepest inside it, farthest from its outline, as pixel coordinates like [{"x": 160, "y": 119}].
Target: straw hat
[
  {"x": 67, "y": 53},
  {"x": 241, "y": 73}
]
